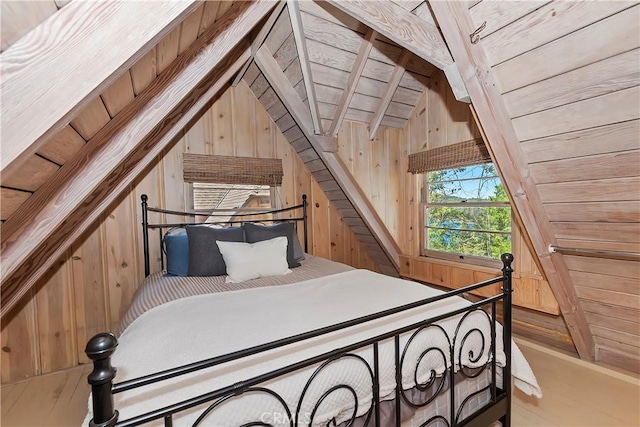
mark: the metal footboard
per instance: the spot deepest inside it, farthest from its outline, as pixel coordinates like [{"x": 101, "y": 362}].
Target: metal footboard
[{"x": 102, "y": 346}]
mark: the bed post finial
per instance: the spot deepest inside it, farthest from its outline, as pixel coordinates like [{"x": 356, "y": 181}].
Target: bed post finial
[
  {"x": 507, "y": 290},
  {"x": 99, "y": 349},
  {"x": 507, "y": 259}
]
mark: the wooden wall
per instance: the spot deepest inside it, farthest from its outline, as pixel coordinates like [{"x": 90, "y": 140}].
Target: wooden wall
[
  {"x": 380, "y": 168},
  {"x": 91, "y": 287},
  {"x": 438, "y": 119},
  {"x": 569, "y": 75}
]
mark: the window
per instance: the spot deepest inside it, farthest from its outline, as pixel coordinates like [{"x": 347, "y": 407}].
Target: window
[
  {"x": 466, "y": 214},
  {"x": 225, "y": 186},
  {"x": 225, "y": 200}
]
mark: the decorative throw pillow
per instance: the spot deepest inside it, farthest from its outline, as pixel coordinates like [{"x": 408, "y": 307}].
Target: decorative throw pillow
[
  {"x": 258, "y": 233},
  {"x": 298, "y": 253},
  {"x": 176, "y": 246},
  {"x": 246, "y": 261},
  {"x": 204, "y": 256}
]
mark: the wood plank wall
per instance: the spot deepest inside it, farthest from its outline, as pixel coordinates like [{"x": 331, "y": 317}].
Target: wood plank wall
[
  {"x": 570, "y": 79},
  {"x": 380, "y": 167},
  {"x": 91, "y": 287}
]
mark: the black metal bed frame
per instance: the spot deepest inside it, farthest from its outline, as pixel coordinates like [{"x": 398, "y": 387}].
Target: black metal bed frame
[
  {"x": 146, "y": 226},
  {"x": 101, "y": 347}
]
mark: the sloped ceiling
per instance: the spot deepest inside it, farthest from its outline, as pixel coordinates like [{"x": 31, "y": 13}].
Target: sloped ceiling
[
  {"x": 375, "y": 80},
  {"x": 333, "y": 40},
  {"x": 330, "y": 62},
  {"x": 116, "y": 133}
]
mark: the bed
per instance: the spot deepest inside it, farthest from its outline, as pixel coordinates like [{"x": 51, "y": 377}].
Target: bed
[{"x": 325, "y": 345}]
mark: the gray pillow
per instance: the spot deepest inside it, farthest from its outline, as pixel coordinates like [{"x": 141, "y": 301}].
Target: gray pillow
[
  {"x": 257, "y": 233},
  {"x": 205, "y": 258},
  {"x": 298, "y": 253}
]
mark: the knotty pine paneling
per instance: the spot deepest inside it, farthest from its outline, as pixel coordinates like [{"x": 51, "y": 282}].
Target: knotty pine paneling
[
  {"x": 92, "y": 285},
  {"x": 437, "y": 120},
  {"x": 377, "y": 164}
]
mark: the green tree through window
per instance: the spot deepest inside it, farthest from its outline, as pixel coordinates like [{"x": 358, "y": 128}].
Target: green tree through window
[{"x": 467, "y": 212}]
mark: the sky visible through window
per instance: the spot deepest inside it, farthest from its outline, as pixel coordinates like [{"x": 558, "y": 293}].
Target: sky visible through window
[{"x": 471, "y": 183}]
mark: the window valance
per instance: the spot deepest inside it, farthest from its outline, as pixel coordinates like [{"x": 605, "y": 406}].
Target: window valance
[
  {"x": 231, "y": 169},
  {"x": 468, "y": 153}
]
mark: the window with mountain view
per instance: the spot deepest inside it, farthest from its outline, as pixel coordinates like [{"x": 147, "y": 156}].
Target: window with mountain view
[{"x": 467, "y": 213}]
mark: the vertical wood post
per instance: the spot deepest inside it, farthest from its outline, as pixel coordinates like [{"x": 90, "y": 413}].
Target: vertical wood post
[
  {"x": 507, "y": 290},
  {"x": 99, "y": 349}
]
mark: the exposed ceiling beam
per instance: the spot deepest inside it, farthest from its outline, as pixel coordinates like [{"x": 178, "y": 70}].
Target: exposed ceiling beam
[
  {"x": 301, "y": 45},
  {"x": 456, "y": 24},
  {"x": 53, "y": 78},
  {"x": 394, "y": 81},
  {"x": 260, "y": 38},
  {"x": 354, "y": 77},
  {"x": 409, "y": 31},
  {"x": 339, "y": 171},
  {"x": 36, "y": 235},
  {"x": 242, "y": 72},
  {"x": 327, "y": 144}
]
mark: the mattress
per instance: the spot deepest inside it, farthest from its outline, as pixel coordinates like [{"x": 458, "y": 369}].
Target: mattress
[
  {"x": 198, "y": 327},
  {"x": 160, "y": 288}
]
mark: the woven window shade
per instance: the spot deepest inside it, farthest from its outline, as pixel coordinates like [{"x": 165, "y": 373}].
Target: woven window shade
[
  {"x": 466, "y": 153},
  {"x": 231, "y": 169}
]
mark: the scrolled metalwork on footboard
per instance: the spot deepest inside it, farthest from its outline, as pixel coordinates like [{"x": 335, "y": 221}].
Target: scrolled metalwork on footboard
[{"x": 435, "y": 372}]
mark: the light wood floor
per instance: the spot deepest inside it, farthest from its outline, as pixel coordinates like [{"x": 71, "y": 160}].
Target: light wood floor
[{"x": 575, "y": 394}]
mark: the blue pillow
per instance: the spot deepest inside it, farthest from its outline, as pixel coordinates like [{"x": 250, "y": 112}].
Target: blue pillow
[{"x": 176, "y": 243}]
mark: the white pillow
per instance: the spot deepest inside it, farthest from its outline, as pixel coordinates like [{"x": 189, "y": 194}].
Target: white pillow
[{"x": 246, "y": 261}]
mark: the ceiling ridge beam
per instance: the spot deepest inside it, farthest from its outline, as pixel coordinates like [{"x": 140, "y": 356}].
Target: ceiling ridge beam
[
  {"x": 42, "y": 79},
  {"x": 259, "y": 40},
  {"x": 408, "y": 31},
  {"x": 301, "y": 45},
  {"x": 285, "y": 91},
  {"x": 354, "y": 77},
  {"x": 46, "y": 224},
  {"x": 392, "y": 86},
  {"x": 501, "y": 138}
]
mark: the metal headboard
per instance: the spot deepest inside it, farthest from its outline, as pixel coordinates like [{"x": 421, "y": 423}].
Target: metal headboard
[{"x": 146, "y": 226}]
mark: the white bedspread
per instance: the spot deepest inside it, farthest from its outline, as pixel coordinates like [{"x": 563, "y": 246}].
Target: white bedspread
[{"x": 195, "y": 328}]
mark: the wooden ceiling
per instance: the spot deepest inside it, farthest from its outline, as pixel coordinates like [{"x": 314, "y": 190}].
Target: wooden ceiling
[
  {"x": 341, "y": 53},
  {"x": 330, "y": 58},
  {"x": 99, "y": 151},
  {"x": 340, "y": 69},
  {"x": 334, "y": 44},
  {"x": 18, "y": 186}
]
